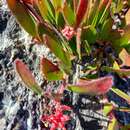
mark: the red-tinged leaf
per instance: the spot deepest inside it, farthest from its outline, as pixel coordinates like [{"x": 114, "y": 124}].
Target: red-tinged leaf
[
  {"x": 113, "y": 124},
  {"x": 125, "y": 57},
  {"x": 28, "y": 1},
  {"x": 75, "y": 3},
  {"x": 23, "y": 16},
  {"x": 27, "y": 77},
  {"x": 64, "y": 57},
  {"x": 78, "y": 42},
  {"x": 121, "y": 94},
  {"x": 50, "y": 71},
  {"x": 81, "y": 11},
  {"x": 94, "y": 87}
]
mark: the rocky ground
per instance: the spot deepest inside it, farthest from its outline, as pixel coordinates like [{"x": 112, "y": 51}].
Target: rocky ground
[{"x": 19, "y": 108}]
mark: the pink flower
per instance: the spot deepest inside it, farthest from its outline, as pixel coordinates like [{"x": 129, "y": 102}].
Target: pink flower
[
  {"x": 58, "y": 119},
  {"x": 68, "y": 32}
]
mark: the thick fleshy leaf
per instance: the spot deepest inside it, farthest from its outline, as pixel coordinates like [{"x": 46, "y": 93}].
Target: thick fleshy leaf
[
  {"x": 125, "y": 57},
  {"x": 121, "y": 94},
  {"x": 120, "y": 72},
  {"x": 116, "y": 66},
  {"x": 57, "y": 4},
  {"x": 27, "y": 77},
  {"x": 43, "y": 8},
  {"x": 69, "y": 14},
  {"x": 57, "y": 49},
  {"x": 46, "y": 9},
  {"x": 23, "y": 16},
  {"x": 94, "y": 87},
  {"x": 51, "y": 31},
  {"x": 113, "y": 124},
  {"x": 50, "y": 71},
  {"x": 43, "y": 28},
  {"x": 81, "y": 11},
  {"x": 107, "y": 109}
]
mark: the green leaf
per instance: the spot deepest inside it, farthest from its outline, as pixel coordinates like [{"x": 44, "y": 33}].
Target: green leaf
[
  {"x": 113, "y": 124},
  {"x": 121, "y": 94},
  {"x": 57, "y": 4},
  {"x": 107, "y": 109},
  {"x": 122, "y": 109},
  {"x": 102, "y": 12},
  {"x": 116, "y": 66},
  {"x": 43, "y": 28},
  {"x": 125, "y": 38},
  {"x": 27, "y": 77},
  {"x": 92, "y": 87},
  {"x": 87, "y": 47},
  {"x": 46, "y": 9},
  {"x": 92, "y": 11},
  {"x": 106, "y": 30},
  {"x": 90, "y": 34},
  {"x": 69, "y": 14},
  {"x": 23, "y": 16},
  {"x": 57, "y": 49},
  {"x": 51, "y": 31},
  {"x": 43, "y": 8},
  {"x": 120, "y": 72},
  {"x": 60, "y": 20},
  {"x": 50, "y": 71},
  {"x": 126, "y": 127}
]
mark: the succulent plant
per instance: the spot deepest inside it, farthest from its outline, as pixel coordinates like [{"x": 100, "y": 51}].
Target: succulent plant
[{"x": 91, "y": 34}]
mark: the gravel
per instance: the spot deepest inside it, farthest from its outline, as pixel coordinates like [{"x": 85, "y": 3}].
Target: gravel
[{"x": 20, "y": 108}]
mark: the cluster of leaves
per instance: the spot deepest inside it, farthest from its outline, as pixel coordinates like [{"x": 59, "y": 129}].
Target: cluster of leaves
[{"x": 76, "y": 31}]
